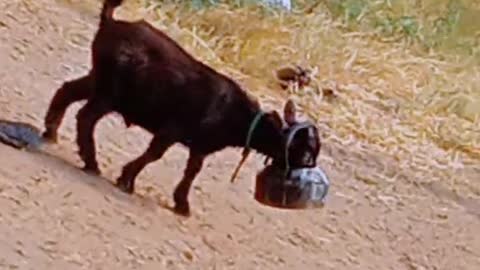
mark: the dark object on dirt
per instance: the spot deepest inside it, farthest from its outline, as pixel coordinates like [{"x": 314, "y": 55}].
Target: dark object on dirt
[
  {"x": 329, "y": 93},
  {"x": 20, "y": 135},
  {"x": 297, "y": 74},
  {"x": 292, "y": 188},
  {"x": 146, "y": 77}
]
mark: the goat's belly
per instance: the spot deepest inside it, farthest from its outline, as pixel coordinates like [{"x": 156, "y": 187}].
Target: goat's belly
[{"x": 144, "y": 121}]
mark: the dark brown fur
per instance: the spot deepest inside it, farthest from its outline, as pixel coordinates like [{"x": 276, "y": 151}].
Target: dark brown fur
[{"x": 146, "y": 77}]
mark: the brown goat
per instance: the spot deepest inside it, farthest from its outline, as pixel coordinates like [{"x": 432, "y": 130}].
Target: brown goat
[{"x": 146, "y": 77}]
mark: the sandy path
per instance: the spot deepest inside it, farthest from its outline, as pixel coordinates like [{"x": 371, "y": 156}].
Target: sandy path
[{"x": 53, "y": 216}]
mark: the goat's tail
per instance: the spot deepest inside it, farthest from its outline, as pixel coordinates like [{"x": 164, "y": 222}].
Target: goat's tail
[{"x": 107, "y": 10}]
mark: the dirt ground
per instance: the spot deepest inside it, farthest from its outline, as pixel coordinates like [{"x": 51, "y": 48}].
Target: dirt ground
[{"x": 53, "y": 216}]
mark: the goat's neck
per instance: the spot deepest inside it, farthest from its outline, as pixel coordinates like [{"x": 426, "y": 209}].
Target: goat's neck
[{"x": 266, "y": 138}]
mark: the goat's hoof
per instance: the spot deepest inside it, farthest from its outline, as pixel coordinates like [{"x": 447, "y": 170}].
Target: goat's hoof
[
  {"x": 50, "y": 137},
  {"x": 125, "y": 186},
  {"x": 182, "y": 209},
  {"x": 92, "y": 170}
]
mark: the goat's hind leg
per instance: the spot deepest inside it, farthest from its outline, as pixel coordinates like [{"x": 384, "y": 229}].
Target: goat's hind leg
[
  {"x": 69, "y": 93},
  {"x": 155, "y": 151},
  {"x": 87, "y": 118},
  {"x": 180, "y": 196}
]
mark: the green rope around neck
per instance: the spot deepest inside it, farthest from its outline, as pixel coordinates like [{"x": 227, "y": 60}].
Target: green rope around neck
[
  {"x": 251, "y": 129},
  {"x": 246, "y": 149}
]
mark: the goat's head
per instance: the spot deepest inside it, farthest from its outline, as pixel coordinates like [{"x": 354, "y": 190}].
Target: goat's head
[
  {"x": 301, "y": 139},
  {"x": 290, "y": 143},
  {"x": 299, "y": 144}
]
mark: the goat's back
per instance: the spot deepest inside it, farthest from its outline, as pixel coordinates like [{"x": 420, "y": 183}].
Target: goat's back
[{"x": 154, "y": 83}]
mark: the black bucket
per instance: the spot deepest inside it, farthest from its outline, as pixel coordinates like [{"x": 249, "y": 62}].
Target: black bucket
[{"x": 303, "y": 188}]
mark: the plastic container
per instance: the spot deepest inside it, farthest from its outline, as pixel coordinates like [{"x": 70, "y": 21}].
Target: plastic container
[{"x": 20, "y": 135}]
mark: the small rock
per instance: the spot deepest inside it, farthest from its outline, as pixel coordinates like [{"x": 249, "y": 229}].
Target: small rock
[
  {"x": 188, "y": 255},
  {"x": 20, "y": 252},
  {"x": 442, "y": 216},
  {"x": 67, "y": 195}
]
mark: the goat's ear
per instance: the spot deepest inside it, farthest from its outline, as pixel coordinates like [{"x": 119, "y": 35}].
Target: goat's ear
[
  {"x": 276, "y": 119},
  {"x": 290, "y": 112}
]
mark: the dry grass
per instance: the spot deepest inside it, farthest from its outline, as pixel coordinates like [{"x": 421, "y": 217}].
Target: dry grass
[{"x": 396, "y": 94}]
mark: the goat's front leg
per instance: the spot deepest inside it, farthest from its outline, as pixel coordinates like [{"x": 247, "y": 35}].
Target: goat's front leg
[
  {"x": 87, "y": 118},
  {"x": 69, "y": 93},
  {"x": 180, "y": 196},
  {"x": 155, "y": 151}
]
